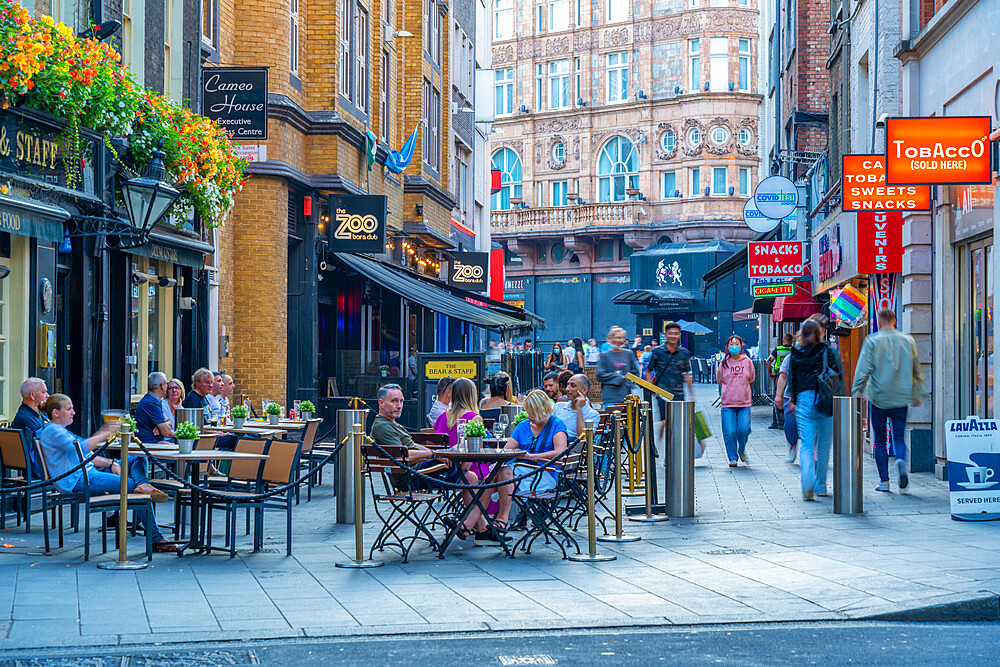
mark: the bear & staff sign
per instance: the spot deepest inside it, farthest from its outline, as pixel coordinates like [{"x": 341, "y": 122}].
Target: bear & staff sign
[{"x": 236, "y": 99}]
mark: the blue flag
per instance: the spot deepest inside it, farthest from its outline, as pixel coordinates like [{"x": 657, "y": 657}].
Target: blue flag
[{"x": 397, "y": 161}]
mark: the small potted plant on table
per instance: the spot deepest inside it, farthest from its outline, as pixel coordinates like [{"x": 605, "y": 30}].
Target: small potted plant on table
[
  {"x": 273, "y": 411},
  {"x": 186, "y": 433},
  {"x": 475, "y": 431},
  {"x": 239, "y": 413},
  {"x": 306, "y": 410}
]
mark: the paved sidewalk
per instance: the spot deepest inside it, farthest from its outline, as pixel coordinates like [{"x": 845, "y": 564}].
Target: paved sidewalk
[{"x": 755, "y": 552}]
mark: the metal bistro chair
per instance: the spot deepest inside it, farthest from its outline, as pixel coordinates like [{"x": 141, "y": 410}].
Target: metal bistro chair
[
  {"x": 15, "y": 457},
  {"x": 237, "y": 489},
  {"x": 182, "y": 495},
  {"x": 544, "y": 508}
]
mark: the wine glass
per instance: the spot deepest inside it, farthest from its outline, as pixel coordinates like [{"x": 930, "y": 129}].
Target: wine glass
[
  {"x": 504, "y": 422},
  {"x": 498, "y": 429}
]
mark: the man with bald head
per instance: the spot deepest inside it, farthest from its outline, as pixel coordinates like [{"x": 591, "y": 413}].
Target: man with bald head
[
  {"x": 29, "y": 418},
  {"x": 577, "y": 410}
]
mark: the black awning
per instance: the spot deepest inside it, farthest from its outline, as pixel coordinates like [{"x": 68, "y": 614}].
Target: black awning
[
  {"x": 30, "y": 218},
  {"x": 653, "y": 297},
  {"x": 737, "y": 260},
  {"x": 438, "y": 300}
]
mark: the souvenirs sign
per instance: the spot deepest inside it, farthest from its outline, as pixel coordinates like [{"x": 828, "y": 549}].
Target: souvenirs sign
[
  {"x": 865, "y": 189},
  {"x": 934, "y": 151},
  {"x": 880, "y": 242}
]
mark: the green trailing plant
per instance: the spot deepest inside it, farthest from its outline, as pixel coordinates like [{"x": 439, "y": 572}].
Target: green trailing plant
[
  {"x": 307, "y": 406},
  {"x": 521, "y": 416},
  {"x": 272, "y": 409},
  {"x": 186, "y": 431},
  {"x": 126, "y": 419},
  {"x": 475, "y": 430},
  {"x": 239, "y": 412}
]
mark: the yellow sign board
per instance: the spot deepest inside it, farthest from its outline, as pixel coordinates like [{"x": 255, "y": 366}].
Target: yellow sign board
[{"x": 457, "y": 368}]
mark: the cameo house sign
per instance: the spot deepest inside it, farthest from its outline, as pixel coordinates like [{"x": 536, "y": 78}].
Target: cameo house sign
[{"x": 236, "y": 99}]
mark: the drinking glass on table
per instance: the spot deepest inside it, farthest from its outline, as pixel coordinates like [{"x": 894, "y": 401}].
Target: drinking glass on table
[
  {"x": 504, "y": 421},
  {"x": 460, "y": 427},
  {"x": 498, "y": 429}
]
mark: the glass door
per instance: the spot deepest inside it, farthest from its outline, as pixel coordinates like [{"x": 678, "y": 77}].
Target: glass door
[{"x": 979, "y": 336}]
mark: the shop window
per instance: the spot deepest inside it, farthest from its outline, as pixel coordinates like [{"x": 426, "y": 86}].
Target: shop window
[
  {"x": 606, "y": 250},
  {"x": 152, "y": 316}
]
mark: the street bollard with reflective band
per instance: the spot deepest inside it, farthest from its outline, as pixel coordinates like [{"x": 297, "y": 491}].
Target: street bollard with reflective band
[
  {"x": 847, "y": 448},
  {"x": 123, "y": 563},
  {"x": 345, "y": 464},
  {"x": 616, "y": 464},
  {"x": 649, "y": 516},
  {"x": 591, "y": 556},
  {"x": 357, "y": 437},
  {"x": 680, "y": 459}
]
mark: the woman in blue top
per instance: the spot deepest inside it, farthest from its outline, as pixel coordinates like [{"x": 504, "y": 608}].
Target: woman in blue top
[
  {"x": 541, "y": 435},
  {"x": 59, "y": 451}
]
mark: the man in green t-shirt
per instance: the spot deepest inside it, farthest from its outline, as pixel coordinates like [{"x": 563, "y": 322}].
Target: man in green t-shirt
[{"x": 387, "y": 432}]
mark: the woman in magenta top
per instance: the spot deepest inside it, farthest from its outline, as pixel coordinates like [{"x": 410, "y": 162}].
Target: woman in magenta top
[{"x": 735, "y": 376}]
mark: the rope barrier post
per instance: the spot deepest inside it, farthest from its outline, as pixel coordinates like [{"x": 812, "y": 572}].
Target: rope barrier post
[
  {"x": 619, "y": 508},
  {"x": 123, "y": 563},
  {"x": 649, "y": 517},
  {"x": 357, "y": 436},
  {"x": 591, "y": 556}
]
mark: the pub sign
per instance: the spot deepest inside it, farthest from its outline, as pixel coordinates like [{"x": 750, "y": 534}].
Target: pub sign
[
  {"x": 469, "y": 270},
  {"x": 357, "y": 223}
]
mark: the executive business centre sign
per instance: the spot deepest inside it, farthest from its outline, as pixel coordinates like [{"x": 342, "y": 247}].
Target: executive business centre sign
[{"x": 236, "y": 99}]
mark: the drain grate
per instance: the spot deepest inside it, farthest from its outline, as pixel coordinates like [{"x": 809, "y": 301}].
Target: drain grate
[
  {"x": 728, "y": 552},
  {"x": 165, "y": 659}
]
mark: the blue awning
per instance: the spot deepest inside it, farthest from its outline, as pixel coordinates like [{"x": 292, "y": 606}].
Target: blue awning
[{"x": 25, "y": 217}]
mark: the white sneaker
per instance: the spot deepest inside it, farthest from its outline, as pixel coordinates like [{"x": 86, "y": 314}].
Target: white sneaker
[
  {"x": 883, "y": 486},
  {"x": 793, "y": 452}
]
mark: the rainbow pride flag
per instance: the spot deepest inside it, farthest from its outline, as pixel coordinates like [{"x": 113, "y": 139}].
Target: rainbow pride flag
[{"x": 849, "y": 305}]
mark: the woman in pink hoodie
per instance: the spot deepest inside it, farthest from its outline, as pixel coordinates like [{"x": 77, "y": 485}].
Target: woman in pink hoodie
[{"x": 735, "y": 376}]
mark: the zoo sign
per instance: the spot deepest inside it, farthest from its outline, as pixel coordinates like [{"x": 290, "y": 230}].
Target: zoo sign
[
  {"x": 775, "y": 259},
  {"x": 469, "y": 270},
  {"x": 357, "y": 223}
]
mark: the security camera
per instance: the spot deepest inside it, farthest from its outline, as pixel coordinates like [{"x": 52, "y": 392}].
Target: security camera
[{"x": 881, "y": 120}]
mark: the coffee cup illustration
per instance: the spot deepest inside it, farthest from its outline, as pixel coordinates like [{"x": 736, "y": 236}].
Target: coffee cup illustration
[{"x": 979, "y": 474}]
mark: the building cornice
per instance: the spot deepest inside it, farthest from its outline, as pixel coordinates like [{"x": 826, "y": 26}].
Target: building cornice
[
  {"x": 284, "y": 109},
  {"x": 284, "y": 170},
  {"x": 939, "y": 25},
  {"x": 419, "y": 185}
]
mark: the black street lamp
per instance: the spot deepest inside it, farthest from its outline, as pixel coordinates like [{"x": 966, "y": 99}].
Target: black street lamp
[{"x": 148, "y": 197}]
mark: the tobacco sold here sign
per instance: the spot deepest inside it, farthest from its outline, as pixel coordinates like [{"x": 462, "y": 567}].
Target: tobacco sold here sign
[
  {"x": 865, "y": 188},
  {"x": 775, "y": 259},
  {"x": 933, "y": 151}
]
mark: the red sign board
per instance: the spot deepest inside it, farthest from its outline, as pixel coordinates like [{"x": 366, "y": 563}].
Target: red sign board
[
  {"x": 496, "y": 183},
  {"x": 865, "y": 189},
  {"x": 933, "y": 151},
  {"x": 880, "y": 242},
  {"x": 775, "y": 259}
]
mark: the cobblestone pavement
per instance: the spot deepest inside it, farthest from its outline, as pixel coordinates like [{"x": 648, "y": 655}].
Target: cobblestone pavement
[{"x": 754, "y": 552}]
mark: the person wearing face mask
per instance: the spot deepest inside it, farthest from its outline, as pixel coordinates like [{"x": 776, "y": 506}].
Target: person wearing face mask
[
  {"x": 612, "y": 367},
  {"x": 735, "y": 376}
]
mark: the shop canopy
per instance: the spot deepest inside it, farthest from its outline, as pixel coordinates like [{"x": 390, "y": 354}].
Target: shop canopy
[
  {"x": 31, "y": 218},
  {"x": 653, "y": 297},
  {"x": 796, "y": 308},
  {"x": 738, "y": 260},
  {"x": 428, "y": 295}
]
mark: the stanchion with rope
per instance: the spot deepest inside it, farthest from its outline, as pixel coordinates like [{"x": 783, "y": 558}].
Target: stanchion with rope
[
  {"x": 123, "y": 563},
  {"x": 357, "y": 436},
  {"x": 634, "y": 454},
  {"x": 649, "y": 516},
  {"x": 591, "y": 556},
  {"x": 619, "y": 508}
]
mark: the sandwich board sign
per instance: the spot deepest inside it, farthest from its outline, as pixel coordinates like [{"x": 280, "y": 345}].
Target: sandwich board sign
[{"x": 974, "y": 468}]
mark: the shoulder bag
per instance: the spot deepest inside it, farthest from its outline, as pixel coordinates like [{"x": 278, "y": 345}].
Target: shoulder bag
[
  {"x": 535, "y": 483},
  {"x": 828, "y": 384}
]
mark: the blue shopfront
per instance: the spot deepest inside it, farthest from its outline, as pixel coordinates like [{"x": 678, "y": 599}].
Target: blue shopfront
[{"x": 666, "y": 286}]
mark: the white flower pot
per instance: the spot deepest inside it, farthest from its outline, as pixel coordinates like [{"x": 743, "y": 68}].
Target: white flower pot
[
  {"x": 273, "y": 419},
  {"x": 306, "y": 416},
  {"x": 185, "y": 446},
  {"x": 238, "y": 422}
]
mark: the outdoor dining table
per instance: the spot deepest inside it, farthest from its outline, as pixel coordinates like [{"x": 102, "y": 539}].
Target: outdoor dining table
[
  {"x": 495, "y": 456},
  {"x": 262, "y": 432},
  {"x": 283, "y": 424}
]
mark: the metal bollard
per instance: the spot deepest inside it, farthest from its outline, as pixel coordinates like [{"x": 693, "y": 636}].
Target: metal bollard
[
  {"x": 512, "y": 411},
  {"x": 346, "y": 465},
  {"x": 847, "y": 445},
  {"x": 649, "y": 516},
  {"x": 591, "y": 556},
  {"x": 617, "y": 468},
  {"x": 680, "y": 459},
  {"x": 123, "y": 563},
  {"x": 357, "y": 436}
]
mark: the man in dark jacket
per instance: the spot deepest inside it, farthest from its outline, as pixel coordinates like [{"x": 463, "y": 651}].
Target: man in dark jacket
[
  {"x": 29, "y": 418},
  {"x": 670, "y": 367},
  {"x": 613, "y": 365}
]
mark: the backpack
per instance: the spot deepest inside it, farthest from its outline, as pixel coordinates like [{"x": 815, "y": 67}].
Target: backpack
[{"x": 829, "y": 383}]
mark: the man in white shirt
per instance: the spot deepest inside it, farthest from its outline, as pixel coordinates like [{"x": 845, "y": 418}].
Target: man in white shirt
[
  {"x": 577, "y": 411},
  {"x": 569, "y": 354}
]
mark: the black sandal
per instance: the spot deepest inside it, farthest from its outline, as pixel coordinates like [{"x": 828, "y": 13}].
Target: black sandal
[{"x": 461, "y": 533}]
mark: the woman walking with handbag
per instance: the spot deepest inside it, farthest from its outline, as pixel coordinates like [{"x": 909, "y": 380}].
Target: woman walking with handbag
[
  {"x": 735, "y": 376},
  {"x": 815, "y": 375}
]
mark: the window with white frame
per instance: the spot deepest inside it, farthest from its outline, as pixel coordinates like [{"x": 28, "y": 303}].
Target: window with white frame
[
  {"x": 127, "y": 32},
  {"x": 668, "y": 142},
  {"x": 559, "y": 84},
  {"x": 695, "y": 178},
  {"x": 720, "y": 135},
  {"x": 540, "y": 194},
  {"x": 744, "y": 181},
  {"x": 558, "y": 15},
  {"x": 718, "y": 63},
  {"x": 508, "y": 164},
  {"x": 168, "y": 39},
  {"x": 503, "y": 19},
  {"x": 718, "y": 181},
  {"x": 617, "y": 169},
  {"x": 694, "y": 65},
  {"x": 579, "y": 81},
  {"x": 559, "y": 152},
  {"x": 428, "y": 25},
  {"x": 436, "y": 20},
  {"x": 744, "y": 65},
  {"x": 539, "y": 85},
  {"x": 617, "y": 10},
  {"x": 745, "y": 136},
  {"x": 385, "y": 101},
  {"x": 694, "y": 137},
  {"x": 744, "y": 3},
  {"x": 209, "y": 11},
  {"x": 293, "y": 38},
  {"x": 503, "y": 91},
  {"x": 540, "y": 18},
  {"x": 354, "y": 44},
  {"x": 669, "y": 184},
  {"x": 719, "y": 3},
  {"x": 361, "y": 58},
  {"x": 387, "y": 11},
  {"x": 579, "y": 13},
  {"x": 558, "y": 193},
  {"x": 435, "y": 129},
  {"x": 617, "y": 76},
  {"x": 346, "y": 12}
]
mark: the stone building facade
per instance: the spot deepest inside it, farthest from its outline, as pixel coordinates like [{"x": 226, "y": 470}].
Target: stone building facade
[{"x": 619, "y": 125}]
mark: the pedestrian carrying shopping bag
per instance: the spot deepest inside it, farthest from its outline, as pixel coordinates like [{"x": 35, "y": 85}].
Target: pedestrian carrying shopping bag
[{"x": 701, "y": 433}]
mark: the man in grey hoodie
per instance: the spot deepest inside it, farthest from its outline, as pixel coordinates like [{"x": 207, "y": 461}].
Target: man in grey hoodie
[{"x": 613, "y": 365}]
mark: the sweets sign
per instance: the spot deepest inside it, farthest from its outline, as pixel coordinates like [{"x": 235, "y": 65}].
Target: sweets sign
[{"x": 865, "y": 189}]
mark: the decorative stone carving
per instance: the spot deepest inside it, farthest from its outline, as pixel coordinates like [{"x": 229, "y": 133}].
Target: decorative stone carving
[
  {"x": 749, "y": 148},
  {"x": 557, "y": 46},
  {"x": 633, "y": 133},
  {"x": 581, "y": 41},
  {"x": 516, "y": 145},
  {"x": 616, "y": 37},
  {"x": 661, "y": 152},
  {"x": 715, "y": 148},
  {"x": 557, "y": 125},
  {"x": 503, "y": 54},
  {"x": 576, "y": 147},
  {"x": 643, "y": 31},
  {"x": 691, "y": 124}
]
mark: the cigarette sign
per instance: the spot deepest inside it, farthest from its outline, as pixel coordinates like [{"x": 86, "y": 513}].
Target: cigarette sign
[
  {"x": 769, "y": 291},
  {"x": 933, "y": 151},
  {"x": 880, "y": 242},
  {"x": 865, "y": 188},
  {"x": 775, "y": 259}
]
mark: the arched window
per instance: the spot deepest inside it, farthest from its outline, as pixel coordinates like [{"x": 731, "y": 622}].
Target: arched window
[
  {"x": 617, "y": 170},
  {"x": 508, "y": 164}
]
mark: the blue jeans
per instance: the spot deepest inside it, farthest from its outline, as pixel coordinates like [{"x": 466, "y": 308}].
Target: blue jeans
[
  {"x": 879, "y": 418},
  {"x": 735, "y": 431},
  {"x": 816, "y": 432},
  {"x": 108, "y": 482},
  {"x": 791, "y": 427}
]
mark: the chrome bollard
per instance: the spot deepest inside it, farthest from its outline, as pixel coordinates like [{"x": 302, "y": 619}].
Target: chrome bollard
[
  {"x": 617, "y": 468},
  {"x": 345, "y": 464},
  {"x": 591, "y": 556},
  {"x": 357, "y": 437},
  {"x": 123, "y": 563},
  {"x": 649, "y": 516},
  {"x": 680, "y": 459},
  {"x": 847, "y": 448}
]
